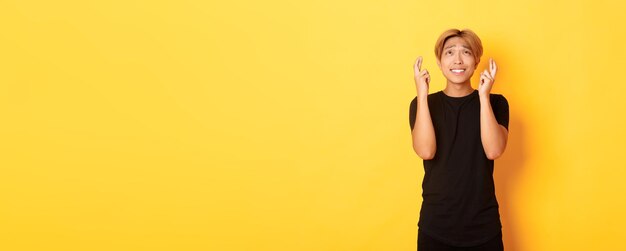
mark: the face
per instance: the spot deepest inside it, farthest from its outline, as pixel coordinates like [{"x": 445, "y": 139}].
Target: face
[{"x": 457, "y": 61}]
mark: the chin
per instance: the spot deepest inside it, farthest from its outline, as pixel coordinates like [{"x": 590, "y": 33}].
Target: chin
[{"x": 454, "y": 80}]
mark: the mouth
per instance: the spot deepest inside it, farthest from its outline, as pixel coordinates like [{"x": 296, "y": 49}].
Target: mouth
[{"x": 458, "y": 71}]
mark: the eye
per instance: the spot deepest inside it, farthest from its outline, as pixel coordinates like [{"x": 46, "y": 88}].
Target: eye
[
  {"x": 448, "y": 52},
  {"x": 468, "y": 52}
]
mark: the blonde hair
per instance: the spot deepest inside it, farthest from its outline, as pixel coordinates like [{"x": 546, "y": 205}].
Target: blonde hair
[{"x": 468, "y": 35}]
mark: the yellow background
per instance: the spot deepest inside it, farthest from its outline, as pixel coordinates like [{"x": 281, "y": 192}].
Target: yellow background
[{"x": 283, "y": 125}]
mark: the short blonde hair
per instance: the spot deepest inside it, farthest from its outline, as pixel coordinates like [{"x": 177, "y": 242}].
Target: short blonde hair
[{"x": 468, "y": 35}]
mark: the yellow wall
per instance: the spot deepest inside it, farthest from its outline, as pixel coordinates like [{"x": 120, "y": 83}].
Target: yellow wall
[{"x": 283, "y": 125}]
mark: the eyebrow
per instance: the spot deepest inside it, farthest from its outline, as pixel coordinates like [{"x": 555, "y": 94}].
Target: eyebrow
[{"x": 466, "y": 47}]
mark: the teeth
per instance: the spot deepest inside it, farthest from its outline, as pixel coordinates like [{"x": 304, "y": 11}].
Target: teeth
[{"x": 458, "y": 71}]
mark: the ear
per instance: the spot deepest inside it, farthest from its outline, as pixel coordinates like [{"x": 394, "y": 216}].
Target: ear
[{"x": 439, "y": 63}]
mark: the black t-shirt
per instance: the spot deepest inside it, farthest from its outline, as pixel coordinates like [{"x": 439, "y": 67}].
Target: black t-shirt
[{"x": 459, "y": 202}]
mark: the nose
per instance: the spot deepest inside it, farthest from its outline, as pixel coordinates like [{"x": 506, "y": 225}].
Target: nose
[{"x": 458, "y": 59}]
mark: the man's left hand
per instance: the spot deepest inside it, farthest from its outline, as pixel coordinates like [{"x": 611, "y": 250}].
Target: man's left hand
[{"x": 487, "y": 78}]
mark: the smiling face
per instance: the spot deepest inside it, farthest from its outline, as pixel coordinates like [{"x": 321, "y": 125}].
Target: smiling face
[{"x": 457, "y": 62}]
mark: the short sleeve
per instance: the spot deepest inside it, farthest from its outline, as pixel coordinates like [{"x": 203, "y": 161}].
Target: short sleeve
[
  {"x": 500, "y": 107},
  {"x": 412, "y": 111}
]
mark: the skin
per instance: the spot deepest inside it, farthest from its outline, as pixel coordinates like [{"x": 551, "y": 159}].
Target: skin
[{"x": 457, "y": 55}]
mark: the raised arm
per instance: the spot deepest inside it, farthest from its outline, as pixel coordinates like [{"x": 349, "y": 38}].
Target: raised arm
[
  {"x": 493, "y": 135},
  {"x": 423, "y": 133}
]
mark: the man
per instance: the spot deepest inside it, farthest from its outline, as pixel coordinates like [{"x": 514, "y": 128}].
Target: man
[{"x": 459, "y": 132}]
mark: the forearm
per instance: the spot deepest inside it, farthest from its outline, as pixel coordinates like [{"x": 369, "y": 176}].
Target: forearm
[
  {"x": 493, "y": 135},
  {"x": 424, "y": 143}
]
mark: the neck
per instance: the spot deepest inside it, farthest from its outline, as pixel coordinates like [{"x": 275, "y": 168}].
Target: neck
[{"x": 458, "y": 90}]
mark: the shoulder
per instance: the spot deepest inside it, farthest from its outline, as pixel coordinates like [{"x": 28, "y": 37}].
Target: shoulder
[
  {"x": 496, "y": 95},
  {"x": 430, "y": 97},
  {"x": 498, "y": 98}
]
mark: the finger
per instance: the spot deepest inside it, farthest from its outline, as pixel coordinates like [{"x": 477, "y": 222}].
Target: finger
[
  {"x": 486, "y": 74},
  {"x": 492, "y": 68},
  {"x": 418, "y": 64}
]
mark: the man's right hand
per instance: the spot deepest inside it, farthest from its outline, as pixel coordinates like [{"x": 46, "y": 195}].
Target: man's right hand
[{"x": 422, "y": 78}]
